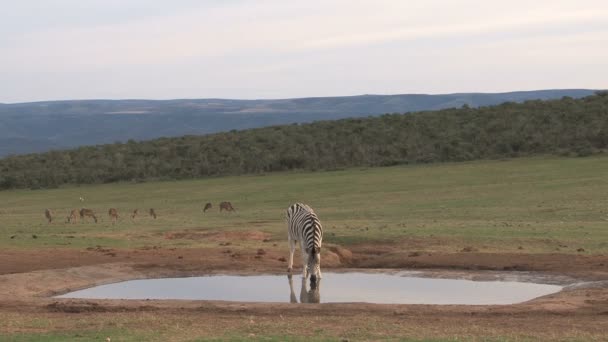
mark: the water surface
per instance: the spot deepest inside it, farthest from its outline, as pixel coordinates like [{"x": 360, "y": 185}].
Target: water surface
[{"x": 333, "y": 288}]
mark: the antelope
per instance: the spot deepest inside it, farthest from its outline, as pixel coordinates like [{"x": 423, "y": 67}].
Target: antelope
[
  {"x": 226, "y": 206},
  {"x": 207, "y": 207},
  {"x": 113, "y": 213},
  {"x": 152, "y": 213},
  {"x": 73, "y": 216},
  {"x": 87, "y": 212},
  {"x": 135, "y": 212},
  {"x": 48, "y": 214}
]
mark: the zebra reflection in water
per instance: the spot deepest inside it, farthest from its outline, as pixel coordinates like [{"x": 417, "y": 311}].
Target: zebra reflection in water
[{"x": 312, "y": 295}]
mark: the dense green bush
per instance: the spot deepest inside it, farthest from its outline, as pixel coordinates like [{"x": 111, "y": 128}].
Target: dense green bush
[{"x": 577, "y": 127}]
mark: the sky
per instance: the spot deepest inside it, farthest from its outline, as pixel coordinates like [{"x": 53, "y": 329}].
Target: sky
[{"x": 246, "y": 49}]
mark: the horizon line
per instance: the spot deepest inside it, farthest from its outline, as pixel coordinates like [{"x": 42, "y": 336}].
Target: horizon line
[{"x": 297, "y": 98}]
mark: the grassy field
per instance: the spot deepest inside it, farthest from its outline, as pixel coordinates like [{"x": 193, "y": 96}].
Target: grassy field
[{"x": 540, "y": 204}]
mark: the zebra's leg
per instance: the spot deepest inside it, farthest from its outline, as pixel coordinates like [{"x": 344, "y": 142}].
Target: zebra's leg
[
  {"x": 304, "y": 263},
  {"x": 319, "y": 269},
  {"x": 292, "y": 249}
]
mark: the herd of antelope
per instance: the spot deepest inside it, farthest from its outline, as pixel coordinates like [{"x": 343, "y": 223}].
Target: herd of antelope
[
  {"x": 80, "y": 214},
  {"x": 223, "y": 206}
]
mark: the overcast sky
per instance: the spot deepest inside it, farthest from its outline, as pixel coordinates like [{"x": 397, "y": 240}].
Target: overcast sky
[{"x": 161, "y": 49}]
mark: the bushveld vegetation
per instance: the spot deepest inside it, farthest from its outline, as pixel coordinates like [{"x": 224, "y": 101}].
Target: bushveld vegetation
[
  {"x": 559, "y": 127},
  {"x": 44, "y": 126}
]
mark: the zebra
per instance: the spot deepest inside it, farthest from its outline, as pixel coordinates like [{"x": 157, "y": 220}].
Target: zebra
[{"x": 304, "y": 226}]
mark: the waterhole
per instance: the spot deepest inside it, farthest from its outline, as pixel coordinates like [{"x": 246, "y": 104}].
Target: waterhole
[{"x": 333, "y": 288}]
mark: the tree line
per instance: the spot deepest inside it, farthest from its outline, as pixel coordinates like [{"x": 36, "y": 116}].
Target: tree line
[{"x": 570, "y": 127}]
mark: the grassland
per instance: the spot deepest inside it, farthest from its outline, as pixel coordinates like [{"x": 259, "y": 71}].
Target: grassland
[
  {"x": 527, "y": 206},
  {"x": 540, "y": 205}
]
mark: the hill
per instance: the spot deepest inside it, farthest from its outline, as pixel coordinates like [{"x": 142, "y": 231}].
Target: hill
[
  {"x": 44, "y": 126},
  {"x": 556, "y": 127}
]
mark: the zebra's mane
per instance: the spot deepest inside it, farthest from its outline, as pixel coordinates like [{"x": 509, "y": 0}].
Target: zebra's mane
[{"x": 306, "y": 207}]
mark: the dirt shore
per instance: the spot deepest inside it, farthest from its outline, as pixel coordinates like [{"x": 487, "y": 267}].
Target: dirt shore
[{"x": 29, "y": 278}]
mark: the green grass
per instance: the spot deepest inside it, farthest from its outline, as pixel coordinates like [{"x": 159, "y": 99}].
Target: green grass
[
  {"x": 85, "y": 335},
  {"x": 123, "y": 335},
  {"x": 537, "y": 203}
]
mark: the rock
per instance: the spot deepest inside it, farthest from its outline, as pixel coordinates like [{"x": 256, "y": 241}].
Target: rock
[
  {"x": 344, "y": 254},
  {"x": 329, "y": 258}
]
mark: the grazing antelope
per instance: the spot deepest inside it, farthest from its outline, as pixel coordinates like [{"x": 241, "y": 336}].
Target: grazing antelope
[
  {"x": 207, "y": 207},
  {"x": 73, "y": 216},
  {"x": 152, "y": 213},
  {"x": 226, "y": 206},
  {"x": 113, "y": 213},
  {"x": 134, "y": 214},
  {"x": 48, "y": 214},
  {"x": 87, "y": 212}
]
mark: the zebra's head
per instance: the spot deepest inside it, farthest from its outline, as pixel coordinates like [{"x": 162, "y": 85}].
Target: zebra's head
[{"x": 314, "y": 263}]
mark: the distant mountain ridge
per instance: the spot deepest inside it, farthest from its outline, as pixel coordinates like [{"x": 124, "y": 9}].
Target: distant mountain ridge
[{"x": 42, "y": 126}]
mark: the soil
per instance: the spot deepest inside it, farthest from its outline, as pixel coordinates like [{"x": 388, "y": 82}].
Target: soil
[{"x": 28, "y": 279}]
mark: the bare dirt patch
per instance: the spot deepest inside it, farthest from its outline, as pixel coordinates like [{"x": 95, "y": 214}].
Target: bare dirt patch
[
  {"x": 589, "y": 267},
  {"x": 229, "y": 236},
  {"x": 29, "y": 278},
  {"x": 344, "y": 255}
]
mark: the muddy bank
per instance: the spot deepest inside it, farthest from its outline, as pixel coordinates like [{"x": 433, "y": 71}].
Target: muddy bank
[
  {"x": 40, "y": 273},
  {"x": 29, "y": 278},
  {"x": 272, "y": 259}
]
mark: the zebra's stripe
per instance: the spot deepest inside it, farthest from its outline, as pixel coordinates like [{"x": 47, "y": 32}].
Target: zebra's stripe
[{"x": 304, "y": 226}]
